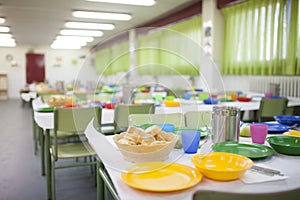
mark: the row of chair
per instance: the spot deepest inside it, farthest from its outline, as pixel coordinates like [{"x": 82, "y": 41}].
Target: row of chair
[
  {"x": 126, "y": 115},
  {"x": 194, "y": 119}
]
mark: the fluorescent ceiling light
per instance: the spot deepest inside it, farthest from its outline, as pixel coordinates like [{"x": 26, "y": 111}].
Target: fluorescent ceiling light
[
  {"x": 102, "y": 15},
  {"x": 69, "y": 42},
  {"x": 58, "y": 46},
  {"x": 84, "y": 25},
  {"x": 84, "y": 38},
  {"x": 128, "y": 2},
  {"x": 5, "y": 35},
  {"x": 2, "y": 20},
  {"x": 4, "y": 29},
  {"x": 81, "y": 33},
  {"x": 7, "y": 42}
]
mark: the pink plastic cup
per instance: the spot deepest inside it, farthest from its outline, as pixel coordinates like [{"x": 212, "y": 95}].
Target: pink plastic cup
[
  {"x": 258, "y": 133},
  {"x": 268, "y": 95}
]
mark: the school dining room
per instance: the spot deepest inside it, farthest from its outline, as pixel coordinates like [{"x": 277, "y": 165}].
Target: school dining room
[{"x": 149, "y": 99}]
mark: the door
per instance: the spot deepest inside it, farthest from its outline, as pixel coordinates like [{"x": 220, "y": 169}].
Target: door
[{"x": 35, "y": 68}]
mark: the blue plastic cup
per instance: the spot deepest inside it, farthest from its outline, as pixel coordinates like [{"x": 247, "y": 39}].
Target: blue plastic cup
[
  {"x": 190, "y": 141},
  {"x": 167, "y": 127},
  {"x": 114, "y": 100},
  {"x": 188, "y": 96}
]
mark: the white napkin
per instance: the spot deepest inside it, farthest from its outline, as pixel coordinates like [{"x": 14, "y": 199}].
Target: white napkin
[{"x": 252, "y": 176}]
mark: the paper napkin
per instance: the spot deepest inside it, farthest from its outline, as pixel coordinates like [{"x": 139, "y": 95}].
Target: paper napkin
[{"x": 252, "y": 176}]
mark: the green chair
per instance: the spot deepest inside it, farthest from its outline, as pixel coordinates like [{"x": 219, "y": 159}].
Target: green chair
[
  {"x": 215, "y": 195},
  {"x": 80, "y": 96},
  {"x": 177, "y": 93},
  {"x": 103, "y": 97},
  {"x": 268, "y": 108},
  {"x": 143, "y": 96},
  {"x": 173, "y": 118},
  {"x": 122, "y": 112},
  {"x": 197, "y": 119},
  {"x": 72, "y": 120},
  {"x": 46, "y": 96}
]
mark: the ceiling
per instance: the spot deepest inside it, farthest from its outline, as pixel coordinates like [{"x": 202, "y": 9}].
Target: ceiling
[{"x": 38, "y": 22}]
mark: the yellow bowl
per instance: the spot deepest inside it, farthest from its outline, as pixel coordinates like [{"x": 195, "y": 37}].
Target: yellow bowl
[
  {"x": 222, "y": 166},
  {"x": 169, "y": 103}
]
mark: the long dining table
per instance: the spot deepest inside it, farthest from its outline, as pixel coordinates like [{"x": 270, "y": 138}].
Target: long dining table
[
  {"x": 45, "y": 120},
  {"x": 196, "y": 105},
  {"x": 251, "y": 182}
]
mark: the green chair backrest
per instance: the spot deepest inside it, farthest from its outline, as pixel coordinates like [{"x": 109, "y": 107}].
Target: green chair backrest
[
  {"x": 177, "y": 93},
  {"x": 172, "y": 118},
  {"x": 271, "y": 107},
  {"x": 143, "y": 96},
  {"x": 75, "y": 120},
  {"x": 215, "y": 195},
  {"x": 197, "y": 119},
  {"x": 80, "y": 96},
  {"x": 122, "y": 112},
  {"x": 103, "y": 97},
  {"x": 46, "y": 96}
]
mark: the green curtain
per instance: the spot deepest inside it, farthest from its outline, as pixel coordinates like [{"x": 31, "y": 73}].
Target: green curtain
[
  {"x": 120, "y": 57},
  {"x": 293, "y": 64},
  {"x": 110, "y": 61},
  {"x": 259, "y": 37},
  {"x": 102, "y": 61},
  {"x": 148, "y": 54},
  {"x": 171, "y": 51}
]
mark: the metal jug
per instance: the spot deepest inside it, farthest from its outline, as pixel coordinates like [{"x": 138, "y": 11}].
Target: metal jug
[{"x": 225, "y": 124}]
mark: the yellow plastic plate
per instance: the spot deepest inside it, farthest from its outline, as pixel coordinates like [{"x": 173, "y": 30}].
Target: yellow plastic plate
[
  {"x": 161, "y": 176},
  {"x": 294, "y": 133}
]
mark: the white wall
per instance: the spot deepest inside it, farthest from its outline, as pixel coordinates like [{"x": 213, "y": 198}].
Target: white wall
[{"x": 62, "y": 70}]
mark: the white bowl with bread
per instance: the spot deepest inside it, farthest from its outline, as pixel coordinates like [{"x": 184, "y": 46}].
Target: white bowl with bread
[{"x": 152, "y": 144}]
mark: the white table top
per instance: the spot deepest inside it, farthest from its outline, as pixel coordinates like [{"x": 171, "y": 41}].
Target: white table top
[
  {"x": 288, "y": 165},
  {"x": 45, "y": 120},
  {"x": 194, "y": 105},
  {"x": 28, "y": 96}
]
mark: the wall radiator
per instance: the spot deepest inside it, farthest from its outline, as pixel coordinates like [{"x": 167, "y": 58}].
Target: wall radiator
[{"x": 288, "y": 85}]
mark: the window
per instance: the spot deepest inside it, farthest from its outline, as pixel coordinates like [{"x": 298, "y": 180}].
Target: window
[{"x": 258, "y": 37}]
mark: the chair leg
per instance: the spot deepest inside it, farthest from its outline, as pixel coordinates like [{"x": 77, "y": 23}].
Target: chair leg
[
  {"x": 42, "y": 148},
  {"x": 106, "y": 192},
  {"x": 95, "y": 170},
  {"x": 91, "y": 166},
  {"x": 35, "y": 138},
  {"x": 100, "y": 184},
  {"x": 53, "y": 189},
  {"x": 48, "y": 162}
]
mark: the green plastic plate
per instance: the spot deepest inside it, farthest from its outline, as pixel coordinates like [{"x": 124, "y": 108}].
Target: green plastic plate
[
  {"x": 253, "y": 151},
  {"x": 288, "y": 145},
  {"x": 47, "y": 109}
]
